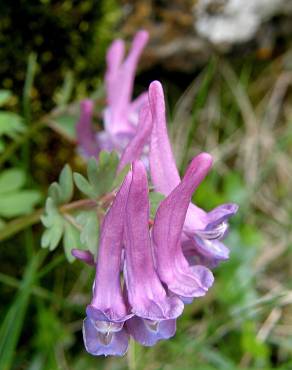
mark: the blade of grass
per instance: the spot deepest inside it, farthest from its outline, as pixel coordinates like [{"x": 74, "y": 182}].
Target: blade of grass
[
  {"x": 11, "y": 327},
  {"x": 200, "y": 100}
]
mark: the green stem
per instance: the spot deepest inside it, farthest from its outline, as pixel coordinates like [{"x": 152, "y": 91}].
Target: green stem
[
  {"x": 131, "y": 358},
  {"x": 21, "y": 223},
  {"x": 15, "y": 226},
  {"x": 30, "y": 132},
  {"x": 7, "y": 154}
]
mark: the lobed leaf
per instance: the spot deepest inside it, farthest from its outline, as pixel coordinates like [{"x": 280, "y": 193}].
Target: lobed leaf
[
  {"x": 120, "y": 177},
  {"x": 84, "y": 186},
  {"x": 102, "y": 175},
  {"x": 18, "y": 203},
  {"x": 71, "y": 239},
  {"x": 90, "y": 230},
  {"x": 54, "y": 223},
  {"x": 11, "y": 124},
  {"x": 62, "y": 192},
  {"x": 11, "y": 180}
]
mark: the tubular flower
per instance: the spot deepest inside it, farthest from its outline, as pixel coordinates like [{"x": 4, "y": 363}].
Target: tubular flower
[
  {"x": 121, "y": 114},
  {"x": 103, "y": 329},
  {"x": 154, "y": 309},
  {"x": 84, "y": 130},
  {"x": 173, "y": 269},
  {"x": 203, "y": 231}
]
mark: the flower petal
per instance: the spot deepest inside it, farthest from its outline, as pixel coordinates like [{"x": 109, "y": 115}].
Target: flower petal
[
  {"x": 172, "y": 267},
  {"x": 204, "y": 252},
  {"x": 98, "y": 343},
  {"x": 119, "y": 86},
  {"x": 148, "y": 332},
  {"x": 84, "y": 130},
  {"x": 164, "y": 174},
  {"x": 84, "y": 256},
  {"x": 146, "y": 294},
  {"x": 135, "y": 147},
  {"x": 108, "y": 301}
]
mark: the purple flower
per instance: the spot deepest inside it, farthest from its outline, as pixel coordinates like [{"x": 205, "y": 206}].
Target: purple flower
[
  {"x": 121, "y": 113},
  {"x": 84, "y": 130},
  {"x": 157, "y": 276},
  {"x": 174, "y": 270},
  {"x": 203, "y": 230},
  {"x": 85, "y": 256},
  {"x": 153, "y": 307},
  {"x": 103, "y": 329}
]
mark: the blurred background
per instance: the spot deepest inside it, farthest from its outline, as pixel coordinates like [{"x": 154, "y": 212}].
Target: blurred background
[{"x": 226, "y": 66}]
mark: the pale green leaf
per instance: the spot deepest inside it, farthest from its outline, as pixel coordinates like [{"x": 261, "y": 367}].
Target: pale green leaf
[
  {"x": 90, "y": 230},
  {"x": 20, "y": 203},
  {"x": 84, "y": 186},
  {"x": 11, "y": 180},
  {"x": 93, "y": 173},
  {"x": 62, "y": 192},
  {"x": 54, "y": 223},
  {"x": 11, "y": 124},
  {"x": 66, "y": 184},
  {"x": 120, "y": 177},
  {"x": 102, "y": 175},
  {"x": 65, "y": 126},
  {"x": 71, "y": 240}
]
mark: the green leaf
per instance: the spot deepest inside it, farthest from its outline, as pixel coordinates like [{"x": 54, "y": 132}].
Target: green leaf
[
  {"x": 20, "y": 203},
  {"x": 62, "y": 96},
  {"x": 11, "y": 124},
  {"x": 5, "y": 95},
  {"x": 90, "y": 230},
  {"x": 66, "y": 183},
  {"x": 155, "y": 200},
  {"x": 120, "y": 177},
  {"x": 71, "y": 240},
  {"x": 93, "y": 173},
  {"x": 102, "y": 175},
  {"x": 62, "y": 192},
  {"x": 65, "y": 126},
  {"x": 11, "y": 180},
  {"x": 54, "y": 223},
  {"x": 84, "y": 186}
]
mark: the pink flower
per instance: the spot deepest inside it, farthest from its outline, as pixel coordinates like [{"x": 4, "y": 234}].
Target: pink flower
[
  {"x": 202, "y": 231},
  {"x": 121, "y": 113}
]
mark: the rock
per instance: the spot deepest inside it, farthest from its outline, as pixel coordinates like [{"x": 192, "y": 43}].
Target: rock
[
  {"x": 185, "y": 33},
  {"x": 227, "y": 22}
]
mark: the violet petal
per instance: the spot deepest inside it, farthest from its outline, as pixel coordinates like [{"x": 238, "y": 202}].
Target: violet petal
[
  {"x": 84, "y": 256},
  {"x": 164, "y": 174},
  {"x": 148, "y": 332},
  {"x": 135, "y": 147},
  {"x": 98, "y": 343},
  {"x": 172, "y": 267},
  {"x": 84, "y": 130},
  {"x": 108, "y": 302},
  {"x": 146, "y": 294}
]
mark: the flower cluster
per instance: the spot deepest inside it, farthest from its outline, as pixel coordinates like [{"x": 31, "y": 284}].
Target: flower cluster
[
  {"x": 120, "y": 116},
  {"x": 147, "y": 269}
]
